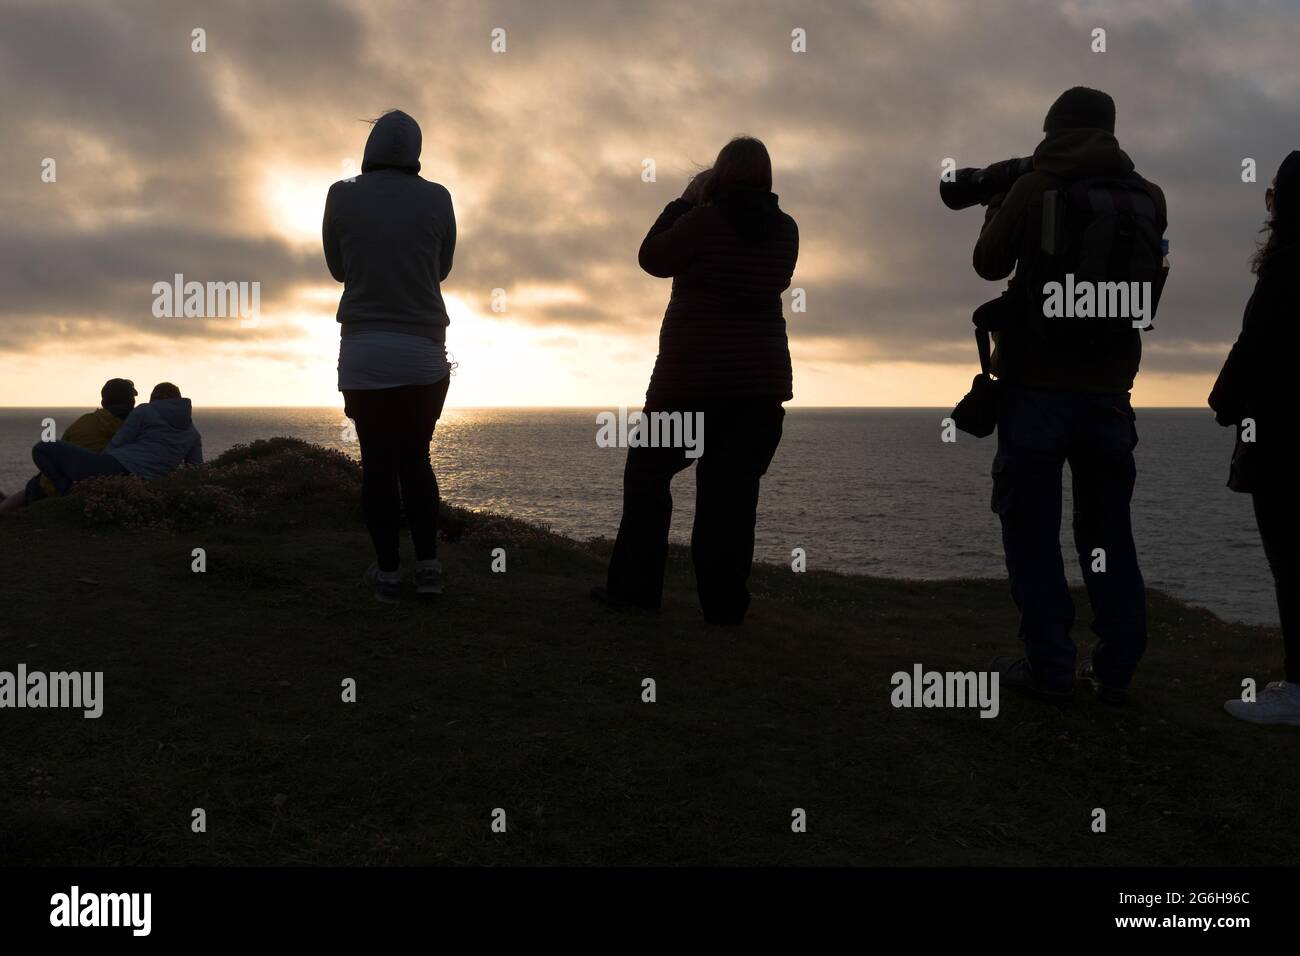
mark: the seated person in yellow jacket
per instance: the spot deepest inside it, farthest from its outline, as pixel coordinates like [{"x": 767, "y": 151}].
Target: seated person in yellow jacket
[{"x": 92, "y": 431}]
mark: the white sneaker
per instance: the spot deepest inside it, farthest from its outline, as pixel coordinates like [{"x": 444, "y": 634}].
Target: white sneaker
[
  {"x": 428, "y": 577},
  {"x": 386, "y": 585},
  {"x": 1277, "y": 703}
]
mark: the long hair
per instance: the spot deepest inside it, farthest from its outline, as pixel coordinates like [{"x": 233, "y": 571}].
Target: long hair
[
  {"x": 1281, "y": 227},
  {"x": 1278, "y": 233},
  {"x": 742, "y": 162}
]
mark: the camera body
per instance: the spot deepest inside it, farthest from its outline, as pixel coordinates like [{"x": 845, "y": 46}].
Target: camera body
[{"x": 971, "y": 186}]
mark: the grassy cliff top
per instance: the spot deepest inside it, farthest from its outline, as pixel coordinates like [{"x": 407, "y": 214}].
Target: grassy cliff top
[{"x": 223, "y": 691}]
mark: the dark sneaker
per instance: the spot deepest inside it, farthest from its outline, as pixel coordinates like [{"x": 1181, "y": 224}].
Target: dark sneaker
[
  {"x": 601, "y": 595},
  {"x": 428, "y": 577},
  {"x": 386, "y": 585},
  {"x": 1103, "y": 692},
  {"x": 1016, "y": 674}
]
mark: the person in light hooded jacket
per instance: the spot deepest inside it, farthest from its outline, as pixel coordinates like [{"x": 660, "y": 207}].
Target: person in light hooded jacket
[
  {"x": 389, "y": 236},
  {"x": 156, "y": 439}
]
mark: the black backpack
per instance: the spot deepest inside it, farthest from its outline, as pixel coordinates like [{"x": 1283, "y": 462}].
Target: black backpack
[{"x": 1104, "y": 231}]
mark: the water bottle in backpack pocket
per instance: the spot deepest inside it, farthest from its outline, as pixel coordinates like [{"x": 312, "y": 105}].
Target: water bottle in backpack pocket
[{"x": 1099, "y": 268}]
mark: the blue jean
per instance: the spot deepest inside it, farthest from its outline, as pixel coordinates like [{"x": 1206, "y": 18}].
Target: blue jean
[
  {"x": 65, "y": 463},
  {"x": 34, "y": 490},
  {"x": 1038, "y": 431}
]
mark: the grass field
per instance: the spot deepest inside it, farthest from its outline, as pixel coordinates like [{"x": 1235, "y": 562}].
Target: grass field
[{"x": 514, "y": 691}]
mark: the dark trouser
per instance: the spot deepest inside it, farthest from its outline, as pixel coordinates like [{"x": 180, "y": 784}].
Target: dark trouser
[
  {"x": 394, "y": 428},
  {"x": 1278, "y": 515},
  {"x": 739, "y": 442},
  {"x": 1038, "y": 431},
  {"x": 65, "y": 463},
  {"x": 33, "y": 489}
]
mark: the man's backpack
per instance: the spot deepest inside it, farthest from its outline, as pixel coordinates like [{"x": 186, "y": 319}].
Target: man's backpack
[{"x": 1098, "y": 237}]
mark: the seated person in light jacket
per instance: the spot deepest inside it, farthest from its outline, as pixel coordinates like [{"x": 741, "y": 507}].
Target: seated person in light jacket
[{"x": 156, "y": 439}]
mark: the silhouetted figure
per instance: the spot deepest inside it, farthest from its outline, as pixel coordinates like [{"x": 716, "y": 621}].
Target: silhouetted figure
[
  {"x": 389, "y": 236},
  {"x": 1255, "y": 392},
  {"x": 92, "y": 431},
  {"x": 156, "y": 439},
  {"x": 1065, "y": 397},
  {"x": 730, "y": 252}
]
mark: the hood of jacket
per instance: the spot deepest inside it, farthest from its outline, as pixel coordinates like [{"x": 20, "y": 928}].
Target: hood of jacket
[
  {"x": 176, "y": 412},
  {"x": 752, "y": 211},
  {"x": 394, "y": 143},
  {"x": 1074, "y": 153}
]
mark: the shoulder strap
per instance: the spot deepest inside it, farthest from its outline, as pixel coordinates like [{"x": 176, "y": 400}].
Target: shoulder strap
[{"x": 982, "y": 344}]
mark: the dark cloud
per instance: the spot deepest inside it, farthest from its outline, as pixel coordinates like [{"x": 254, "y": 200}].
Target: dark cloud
[
  {"x": 161, "y": 150},
  {"x": 50, "y": 278}
]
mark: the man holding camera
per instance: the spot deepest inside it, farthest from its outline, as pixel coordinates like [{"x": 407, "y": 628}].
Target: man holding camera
[{"x": 1063, "y": 391}]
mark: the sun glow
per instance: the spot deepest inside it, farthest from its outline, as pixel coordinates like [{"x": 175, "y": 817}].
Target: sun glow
[{"x": 295, "y": 203}]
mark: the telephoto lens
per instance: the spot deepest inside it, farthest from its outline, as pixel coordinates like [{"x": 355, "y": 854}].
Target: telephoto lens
[{"x": 972, "y": 186}]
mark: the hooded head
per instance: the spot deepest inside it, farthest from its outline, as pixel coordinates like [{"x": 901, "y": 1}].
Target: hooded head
[
  {"x": 1081, "y": 108},
  {"x": 394, "y": 143},
  {"x": 1080, "y": 138},
  {"x": 166, "y": 401}
]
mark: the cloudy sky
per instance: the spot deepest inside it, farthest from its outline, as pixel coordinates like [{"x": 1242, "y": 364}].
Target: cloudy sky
[{"x": 215, "y": 165}]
